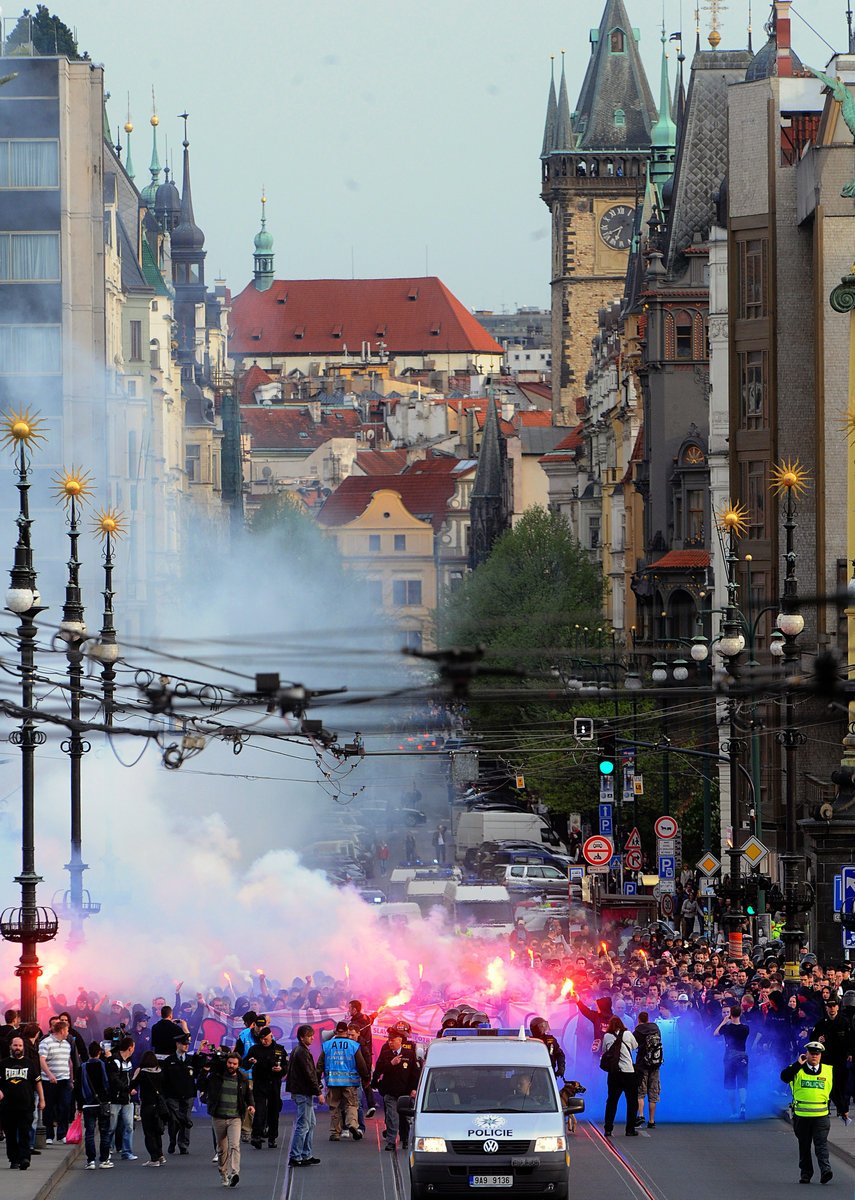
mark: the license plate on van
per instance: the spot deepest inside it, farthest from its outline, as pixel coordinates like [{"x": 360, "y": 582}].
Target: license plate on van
[{"x": 491, "y": 1181}]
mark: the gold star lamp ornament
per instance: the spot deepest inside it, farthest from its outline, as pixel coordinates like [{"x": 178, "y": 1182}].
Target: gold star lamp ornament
[
  {"x": 732, "y": 517},
  {"x": 73, "y": 485},
  {"x": 789, "y": 476},
  {"x": 109, "y": 523},
  {"x": 21, "y": 428}
]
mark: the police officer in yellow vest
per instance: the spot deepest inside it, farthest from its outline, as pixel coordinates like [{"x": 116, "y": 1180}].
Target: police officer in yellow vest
[{"x": 811, "y": 1086}]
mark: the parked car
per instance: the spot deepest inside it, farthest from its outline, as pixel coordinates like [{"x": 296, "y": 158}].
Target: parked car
[
  {"x": 540, "y": 878},
  {"x": 372, "y": 816},
  {"x": 492, "y": 856}
]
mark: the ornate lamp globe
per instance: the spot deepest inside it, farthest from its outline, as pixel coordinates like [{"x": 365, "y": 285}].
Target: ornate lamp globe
[
  {"x": 659, "y": 674},
  {"x": 700, "y": 651},
  {"x": 681, "y": 670}
]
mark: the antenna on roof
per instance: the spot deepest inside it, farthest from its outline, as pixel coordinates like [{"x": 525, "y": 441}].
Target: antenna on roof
[
  {"x": 427, "y": 263},
  {"x": 352, "y": 264}
]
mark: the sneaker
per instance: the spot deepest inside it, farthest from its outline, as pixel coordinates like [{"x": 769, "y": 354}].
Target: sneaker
[
  {"x": 129, "y": 1157},
  {"x": 335, "y": 1137},
  {"x": 310, "y": 1162},
  {"x": 826, "y": 1177},
  {"x": 295, "y": 1162},
  {"x": 24, "y": 1164},
  {"x": 105, "y": 1166},
  {"x": 272, "y": 1145},
  {"x": 235, "y": 1180},
  {"x": 639, "y": 1120},
  {"x": 651, "y": 1124},
  {"x": 846, "y": 1119},
  {"x": 48, "y": 1141},
  {"x": 256, "y": 1145},
  {"x": 225, "y": 1181},
  {"x": 90, "y": 1166},
  {"x": 152, "y": 1162},
  {"x": 370, "y": 1111},
  {"x": 356, "y": 1134},
  {"x": 389, "y": 1146}
]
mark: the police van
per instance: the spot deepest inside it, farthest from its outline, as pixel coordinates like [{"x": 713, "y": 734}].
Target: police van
[{"x": 487, "y": 1119}]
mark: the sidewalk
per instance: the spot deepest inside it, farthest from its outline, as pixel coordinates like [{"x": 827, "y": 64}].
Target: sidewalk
[
  {"x": 841, "y": 1141},
  {"x": 46, "y": 1170}
]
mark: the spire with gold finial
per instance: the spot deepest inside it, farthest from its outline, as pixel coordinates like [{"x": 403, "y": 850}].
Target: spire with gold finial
[
  {"x": 263, "y": 256},
  {"x": 129, "y": 128},
  {"x": 663, "y": 136},
  {"x": 147, "y": 195}
]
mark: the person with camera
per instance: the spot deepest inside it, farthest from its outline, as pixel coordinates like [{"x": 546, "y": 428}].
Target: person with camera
[
  {"x": 229, "y": 1100},
  {"x": 180, "y": 1088},
  {"x": 266, "y": 1063},
  {"x": 811, "y": 1082}
]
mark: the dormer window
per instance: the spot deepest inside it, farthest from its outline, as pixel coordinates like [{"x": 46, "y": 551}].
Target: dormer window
[
  {"x": 413, "y": 294},
  {"x": 337, "y": 331},
  {"x": 617, "y": 41},
  {"x": 303, "y": 433},
  {"x": 435, "y": 329},
  {"x": 256, "y": 335},
  {"x": 300, "y": 332},
  {"x": 620, "y": 118}
]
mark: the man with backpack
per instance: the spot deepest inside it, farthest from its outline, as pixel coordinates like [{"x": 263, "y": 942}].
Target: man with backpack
[{"x": 648, "y": 1061}]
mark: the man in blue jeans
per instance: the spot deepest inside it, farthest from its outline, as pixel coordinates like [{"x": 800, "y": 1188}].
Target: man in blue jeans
[
  {"x": 120, "y": 1070},
  {"x": 303, "y": 1085}
]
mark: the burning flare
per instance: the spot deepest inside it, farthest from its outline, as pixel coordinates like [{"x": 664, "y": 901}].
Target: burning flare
[
  {"x": 497, "y": 979},
  {"x": 567, "y": 989}
]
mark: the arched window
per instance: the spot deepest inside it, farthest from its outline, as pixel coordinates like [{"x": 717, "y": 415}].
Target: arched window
[
  {"x": 617, "y": 41},
  {"x": 620, "y": 118},
  {"x": 684, "y": 335}
]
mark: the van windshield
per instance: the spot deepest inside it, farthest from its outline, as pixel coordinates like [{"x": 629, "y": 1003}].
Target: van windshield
[
  {"x": 483, "y": 912},
  {"x": 490, "y": 1089}
]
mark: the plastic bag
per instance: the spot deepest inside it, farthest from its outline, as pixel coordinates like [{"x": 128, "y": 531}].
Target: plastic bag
[{"x": 75, "y": 1131}]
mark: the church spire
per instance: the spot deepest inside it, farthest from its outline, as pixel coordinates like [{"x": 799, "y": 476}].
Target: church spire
[
  {"x": 188, "y": 240},
  {"x": 149, "y": 192},
  {"x": 563, "y": 124},
  {"x": 263, "y": 274},
  {"x": 663, "y": 136},
  {"x": 551, "y": 115},
  {"x": 129, "y": 128},
  {"x": 615, "y": 110}
]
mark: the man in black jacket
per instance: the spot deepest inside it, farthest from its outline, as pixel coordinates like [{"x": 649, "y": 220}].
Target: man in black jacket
[
  {"x": 20, "y": 1083},
  {"x": 835, "y": 1033},
  {"x": 303, "y": 1084},
  {"x": 266, "y": 1061},
  {"x": 164, "y": 1032},
  {"x": 229, "y": 1100},
  {"x": 396, "y": 1074},
  {"x": 179, "y": 1090}
]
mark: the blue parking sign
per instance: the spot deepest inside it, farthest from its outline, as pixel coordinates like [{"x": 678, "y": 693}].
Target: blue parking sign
[
  {"x": 630, "y": 888},
  {"x": 667, "y": 866},
  {"x": 606, "y": 824},
  {"x": 847, "y": 903}
]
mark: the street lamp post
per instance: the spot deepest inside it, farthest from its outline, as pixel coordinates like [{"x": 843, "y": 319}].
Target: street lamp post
[
  {"x": 109, "y": 525},
  {"x": 30, "y": 924}
]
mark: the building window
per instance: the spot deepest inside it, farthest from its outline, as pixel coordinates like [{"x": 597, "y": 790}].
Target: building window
[
  {"x": 30, "y": 350},
  {"x": 753, "y": 278},
  {"x": 26, "y": 164},
  {"x": 411, "y": 639},
  {"x": 754, "y": 475},
  {"x": 455, "y": 581},
  {"x": 406, "y": 593},
  {"x": 753, "y": 372},
  {"x": 374, "y": 543},
  {"x": 375, "y": 593},
  {"x": 594, "y": 533},
  {"x": 617, "y": 42},
  {"x": 154, "y": 354},
  {"x": 694, "y": 515},
  {"x": 620, "y": 118},
  {"x": 193, "y": 462},
  {"x": 400, "y": 541},
  {"x": 27, "y": 257},
  {"x": 136, "y": 341},
  {"x": 684, "y": 326},
  {"x": 132, "y": 388}
]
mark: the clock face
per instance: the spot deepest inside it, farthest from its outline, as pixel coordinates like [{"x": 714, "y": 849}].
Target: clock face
[{"x": 616, "y": 225}]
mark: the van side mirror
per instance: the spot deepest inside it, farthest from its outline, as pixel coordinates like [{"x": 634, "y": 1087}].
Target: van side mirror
[
  {"x": 406, "y": 1106},
  {"x": 574, "y": 1105}
]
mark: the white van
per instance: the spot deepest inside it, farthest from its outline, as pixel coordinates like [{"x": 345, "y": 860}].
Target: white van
[
  {"x": 483, "y": 910},
  {"x": 498, "y": 825},
  {"x": 432, "y": 893},
  {"x": 399, "y": 915},
  {"x": 487, "y": 1116}
]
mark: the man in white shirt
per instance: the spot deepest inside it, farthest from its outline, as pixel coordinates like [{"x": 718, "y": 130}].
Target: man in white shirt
[{"x": 56, "y": 1055}]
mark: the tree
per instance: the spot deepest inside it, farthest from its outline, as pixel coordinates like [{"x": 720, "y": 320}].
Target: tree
[
  {"x": 528, "y": 601},
  {"x": 48, "y": 33},
  {"x": 283, "y": 520}
]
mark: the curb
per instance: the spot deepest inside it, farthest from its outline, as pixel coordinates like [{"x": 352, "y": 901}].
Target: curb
[
  {"x": 59, "y": 1173},
  {"x": 841, "y": 1152}
]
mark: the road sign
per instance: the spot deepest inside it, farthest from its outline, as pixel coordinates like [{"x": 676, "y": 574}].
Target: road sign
[
  {"x": 633, "y": 842},
  {"x": 667, "y": 905},
  {"x": 632, "y": 860},
  {"x": 600, "y": 869},
  {"x": 638, "y": 784},
  {"x": 838, "y": 893},
  {"x": 709, "y": 865},
  {"x": 667, "y": 887},
  {"x": 520, "y": 782},
  {"x": 575, "y": 874},
  {"x": 607, "y": 788},
  {"x": 606, "y": 824},
  {"x": 657, "y": 892},
  {"x": 630, "y": 888},
  {"x": 628, "y": 793},
  {"x": 847, "y": 903},
  {"x": 598, "y": 851},
  {"x": 666, "y": 846},
  {"x": 754, "y": 851},
  {"x": 615, "y": 863},
  {"x": 666, "y": 827},
  {"x": 667, "y": 866}
]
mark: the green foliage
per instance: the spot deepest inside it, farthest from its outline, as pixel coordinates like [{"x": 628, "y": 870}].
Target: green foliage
[
  {"x": 50, "y": 35},
  {"x": 527, "y": 599},
  {"x": 295, "y": 536}
]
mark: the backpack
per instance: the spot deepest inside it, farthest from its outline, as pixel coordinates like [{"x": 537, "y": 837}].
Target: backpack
[
  {"x": 651, "y": 1053},
  {"x": 610, "y": 1059}
]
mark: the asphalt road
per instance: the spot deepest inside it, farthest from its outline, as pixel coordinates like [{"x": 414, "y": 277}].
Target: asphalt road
[{"x": 756, "y": 1160}]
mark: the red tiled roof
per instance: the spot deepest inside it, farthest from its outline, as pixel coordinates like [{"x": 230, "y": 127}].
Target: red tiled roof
[
  {"x": 565, "y": 450},
  {"x": 425, "y": 496},
  {"x": 293, "y": 428},
  {"x": 381, "y": 462},
  {"x": 543, "y": 390},
  {"x": 440, "y": 464},
  {"x": 681, "y": 560},
  {"x": 536, "y": 418},
  {"x": 638, "y": 448},
  {"x": 254, "y": 378},
  {"x": 322, "y": 316}
]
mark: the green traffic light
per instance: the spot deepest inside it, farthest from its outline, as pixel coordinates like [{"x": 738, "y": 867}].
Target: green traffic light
[
  {"x": 751, "y": 910},
  {"x": 606, "y": 766}
]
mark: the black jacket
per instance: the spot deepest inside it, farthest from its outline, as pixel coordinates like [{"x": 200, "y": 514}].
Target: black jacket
[
  {"x": 163, "y": 1035},
  {"x": 556, "y": 1054},
  {"x": 302, "y": 1077},
  {"x": 837, "y": 1038},
  {"x": 261, "y": 1060},
  {"x": 179, "y": 1078},
  {"x": 215, "y": 1087},
  {"x": 396, "y": 1078},
  {"x": 119, "y": 1072}
]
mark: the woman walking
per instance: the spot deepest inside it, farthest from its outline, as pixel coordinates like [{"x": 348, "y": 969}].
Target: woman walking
[
  {"x": 618, "y": 1047},
  {"x": 149, "y": 1081}
]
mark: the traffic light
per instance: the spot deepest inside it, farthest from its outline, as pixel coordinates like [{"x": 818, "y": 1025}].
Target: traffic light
[
  {"x": 606, "y": 743},
  {"x": 583, "y": 729}
]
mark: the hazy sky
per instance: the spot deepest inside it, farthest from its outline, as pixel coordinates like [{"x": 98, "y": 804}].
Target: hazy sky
[{"x": 379, "y": 128}]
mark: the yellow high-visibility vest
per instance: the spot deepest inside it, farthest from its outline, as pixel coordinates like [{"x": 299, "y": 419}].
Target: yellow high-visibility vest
[{"x": 811, "y": 1093}]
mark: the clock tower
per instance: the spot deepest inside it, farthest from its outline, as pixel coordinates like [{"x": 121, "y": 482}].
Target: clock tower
[{"x": 594, "y": 172}]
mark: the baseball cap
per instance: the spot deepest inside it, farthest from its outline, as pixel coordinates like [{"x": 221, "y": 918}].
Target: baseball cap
[
  {"x": 817, "y": 1047},
  {"x": 683, "y": 998}
]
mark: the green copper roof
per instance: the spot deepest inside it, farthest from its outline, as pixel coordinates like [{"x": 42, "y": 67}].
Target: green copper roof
[
  {"x": 664, "y": 132},
  {"x": 148, "y": 193},
  {"x": 264, "y": 238},
  {"x": 151, "y": 271}
]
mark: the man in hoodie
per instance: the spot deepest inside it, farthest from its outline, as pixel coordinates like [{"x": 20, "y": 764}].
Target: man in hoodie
[
  {"x": 20, "y": 1084},
  {"x": 344, "y": 1068},
  {"x": 599, "y": 1018}
]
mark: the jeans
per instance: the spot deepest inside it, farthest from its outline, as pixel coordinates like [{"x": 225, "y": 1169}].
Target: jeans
[
  {"x": 227, "y": 1133},
  {"x": 304, "y": 1129},
  {"x": 621, "y": 1083},
  {"x": 812, "y": 1130},
  {"x": 122, "y": 1118},
  {"x": 58, "y": 1105},
  {"x": 92, "y": 1120}
]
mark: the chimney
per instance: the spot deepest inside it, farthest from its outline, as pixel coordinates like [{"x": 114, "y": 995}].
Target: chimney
[{"x": 783, "y": 38}]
